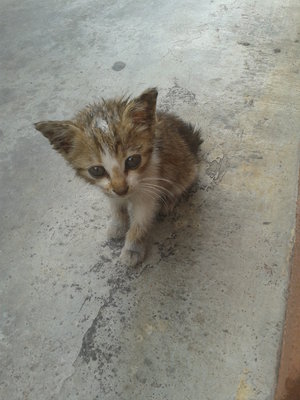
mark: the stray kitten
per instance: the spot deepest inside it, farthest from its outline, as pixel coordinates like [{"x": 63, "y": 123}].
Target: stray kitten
[{"x": 142, "y": 160}]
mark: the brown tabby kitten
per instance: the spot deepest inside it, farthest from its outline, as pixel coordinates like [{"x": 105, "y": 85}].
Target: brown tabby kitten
[{"x": 142, "y": 160}]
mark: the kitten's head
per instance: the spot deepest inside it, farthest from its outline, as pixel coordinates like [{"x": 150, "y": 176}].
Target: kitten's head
[{"x": 108, "y": 144}]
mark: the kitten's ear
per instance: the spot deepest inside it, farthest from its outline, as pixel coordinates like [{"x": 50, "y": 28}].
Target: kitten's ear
[
  {"x": 61, "y": 134},
  {"x": 142, "y": 109}
]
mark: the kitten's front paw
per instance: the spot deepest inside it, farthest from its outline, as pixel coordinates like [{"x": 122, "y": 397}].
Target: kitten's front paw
[
  {"x": 116, "y": 230},
  {"x": 133, "y": 254}
]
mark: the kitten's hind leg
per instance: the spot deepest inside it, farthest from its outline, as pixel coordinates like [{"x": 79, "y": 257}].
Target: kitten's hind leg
[{"x": 118, "y": 225}]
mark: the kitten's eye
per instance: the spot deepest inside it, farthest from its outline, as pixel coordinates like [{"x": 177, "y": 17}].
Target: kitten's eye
[
  {"x": 133, "y": 162},
  {"x": 97, "y": 171}
]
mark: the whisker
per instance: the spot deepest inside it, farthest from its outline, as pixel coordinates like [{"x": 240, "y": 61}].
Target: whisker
[
  {"x": 179, "y": 186},
  {"x": 159, "y": 192},
  {"x": 154, "y": 197},
  {"x": 154, "y": 191},
  {"x": 162, "y": 188},
  {"x": 150, "y": 194}
]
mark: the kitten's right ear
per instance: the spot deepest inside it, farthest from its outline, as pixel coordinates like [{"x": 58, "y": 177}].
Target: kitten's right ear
[
  {"x": 61, "y": 134},
  {"x": 141, "y": 110}
]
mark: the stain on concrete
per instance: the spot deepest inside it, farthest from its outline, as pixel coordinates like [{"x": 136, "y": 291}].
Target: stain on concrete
[
  {"x": 244, "y": 391},
  {"x": 118, "y": 66},
  {"x": 246, "y": 44},
  {"x": 101, "y": 264}
]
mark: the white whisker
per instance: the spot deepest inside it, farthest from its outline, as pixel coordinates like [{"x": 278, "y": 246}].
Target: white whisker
[
  {"x": 157, "y": 190},
  {"x": 175, "y": 184},
  {"x": 149, "y": 193},
  {"x": 160, "y": 188},
  {"x": 153, "y": 191}
]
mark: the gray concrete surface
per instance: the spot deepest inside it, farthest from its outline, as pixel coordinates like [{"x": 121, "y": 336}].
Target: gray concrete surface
[{"x": 202, "y": 318}]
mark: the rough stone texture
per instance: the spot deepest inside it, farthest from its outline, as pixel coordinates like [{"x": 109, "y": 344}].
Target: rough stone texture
[{"x": 202, "y": 318}]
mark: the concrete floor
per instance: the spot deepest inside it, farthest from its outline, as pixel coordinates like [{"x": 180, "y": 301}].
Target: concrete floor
[{"x": 202, "y": 318}]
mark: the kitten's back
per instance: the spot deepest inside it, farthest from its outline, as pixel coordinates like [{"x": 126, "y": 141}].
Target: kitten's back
[{"x": 190, "y": 135}]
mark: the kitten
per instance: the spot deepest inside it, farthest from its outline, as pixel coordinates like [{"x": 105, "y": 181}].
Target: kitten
[{"x": 143, "y": 161}]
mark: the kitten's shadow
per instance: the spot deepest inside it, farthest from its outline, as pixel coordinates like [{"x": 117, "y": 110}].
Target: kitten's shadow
[
  {"x": 174, "y": 258},
  {"x": 176, "y": 236}
]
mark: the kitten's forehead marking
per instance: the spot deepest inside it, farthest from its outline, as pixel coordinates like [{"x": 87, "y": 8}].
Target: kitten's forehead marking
[{"x": 101, "y": 124}]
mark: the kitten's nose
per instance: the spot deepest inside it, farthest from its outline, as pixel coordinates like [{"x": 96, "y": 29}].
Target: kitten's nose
[{"x": 121, "y": 191}]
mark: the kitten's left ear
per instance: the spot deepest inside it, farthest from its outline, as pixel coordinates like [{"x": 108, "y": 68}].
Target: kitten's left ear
[{"x": 142, "y": 109}]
